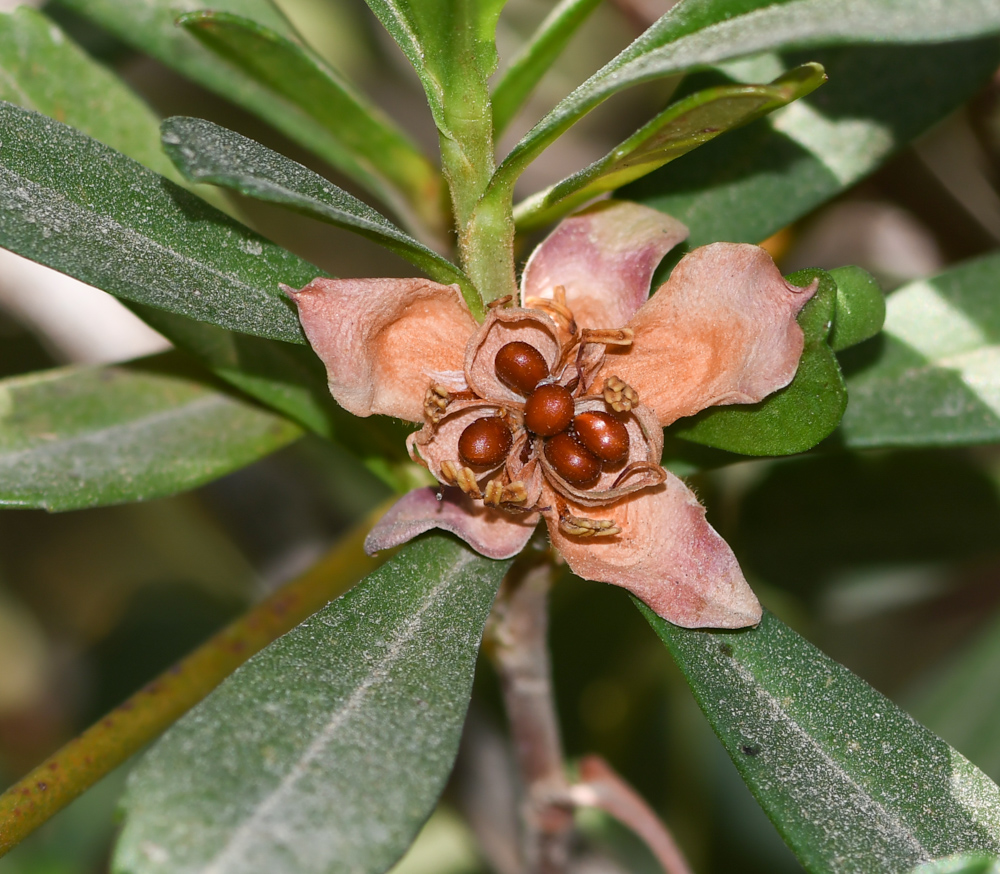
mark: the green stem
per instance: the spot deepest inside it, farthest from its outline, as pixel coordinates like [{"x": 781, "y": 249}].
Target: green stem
[{"x": 87, "y": 758}]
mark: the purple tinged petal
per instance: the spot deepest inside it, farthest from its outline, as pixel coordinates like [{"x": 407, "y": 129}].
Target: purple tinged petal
[
  {"x": 604, "y": 257},
  {"x": 490, "y": 532}
]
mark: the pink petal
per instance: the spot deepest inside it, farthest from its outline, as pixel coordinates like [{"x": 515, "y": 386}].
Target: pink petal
[
  {"x": 667, "y": 555},
  {"x": 489, "y": 532},
  {"x": 384, "y": 340},
  {"x": 722, "y": 330},
  {"x": 604, "y": 257}
]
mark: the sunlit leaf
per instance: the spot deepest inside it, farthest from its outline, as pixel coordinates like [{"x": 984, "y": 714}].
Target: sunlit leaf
[
  {"x": 700, "y": 33},
  {"x": 853, "y": 784},
  {"x": 966, "y": 863},
  {"x": 327, "y": 751},
  {"x": 372, "y": 149},
  {"x": 677, "y": 130},
  {"x": 751, "y": 183},
  {"x": 206, "y": 152},
  {"x": 91, "y": 436},
  {"x": 933, "y": 378}
]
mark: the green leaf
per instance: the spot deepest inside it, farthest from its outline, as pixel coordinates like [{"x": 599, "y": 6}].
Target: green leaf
[
  {"x": 679, "y": 129},
  {"x": 971, "y": 863},
  {"x": 42, "y": 69},
  {"x": 73, "y": 204},
  {"x": 327, "y": 751},
  {"x": 291, "y": 380},
  {"x": 530, "y": 64},
  {"x": 798, "y": 416},
  {"x": 701, "y": 33},
  {"x": 151, "y": 26},
  {"x": 933, "y": 378},
  {"x": 91, "y": 436},
  {"x": 749, "y": 184},
  {"x": 853, "y": 784},
  {"x": 860, "y": 311},
  {"x": 206, "y": 152},
  {"x": 370, "y": 147}
]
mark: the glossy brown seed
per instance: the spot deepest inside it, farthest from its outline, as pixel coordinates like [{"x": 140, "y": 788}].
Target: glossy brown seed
[
  {"x": 573, "y": 462},
  {"x": 548, "y": 410},
  {"x": 603, "y": 434},
  {"x": 520, "y": 366},
  {"x": 485, "y": 443}
]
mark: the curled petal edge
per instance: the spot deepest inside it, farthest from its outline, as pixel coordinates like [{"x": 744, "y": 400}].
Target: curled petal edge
[
  {"x": 667, "y": 555},
  {"x": 491, "y": 533}
]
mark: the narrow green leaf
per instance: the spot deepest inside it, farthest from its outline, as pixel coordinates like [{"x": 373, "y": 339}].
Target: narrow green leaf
[
  {"x": 860, "y": 311},
  {"x": 151, "y": 26},
  {"x": 206, "y": 152},
  {"x": 41, "y": 68},
  {"x": 801, "y": 414},
  {"x": 853, "y": 784},
  {"x": 971, "y": 863},
  {"x": 327, "y": 751},
  {"x": 531, "y": 63},
  {"x": 92, "y": 436},
  {"x": 291, "y": 380},
  {"x": 933, "y": 379},
  {"x": 749, "y": 184},
  {"x": 73, "y": 204},
  {"x": 700, "y": 33},
  {"x": 677, "y": 130},
  {"x": 373, "y": 150}
]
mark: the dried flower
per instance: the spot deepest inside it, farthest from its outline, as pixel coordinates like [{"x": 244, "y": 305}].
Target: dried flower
[{"x": 554, "y": 409}]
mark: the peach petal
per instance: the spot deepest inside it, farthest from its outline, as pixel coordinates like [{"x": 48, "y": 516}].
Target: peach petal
[
  {"x": 489, "y": 532},
  {"x": 501, "y": 327},
  {"x": 382, "y": 340},
  {"x": 604, "y": 257},
  {"x": 721, "y": 330},
  {"x": 667, "y": 555}
]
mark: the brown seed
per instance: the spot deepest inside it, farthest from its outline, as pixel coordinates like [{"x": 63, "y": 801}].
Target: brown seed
[
  {"x": 602, "y": 434},
  {"x": 485, "y": 443},
  {"x": 548, "y": 410},
  {"x": 573, "y": 462},
  {"x": 520, "y": 366}
]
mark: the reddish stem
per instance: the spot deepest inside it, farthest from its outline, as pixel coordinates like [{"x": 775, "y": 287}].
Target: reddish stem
[{"x": 518, "y": 633}]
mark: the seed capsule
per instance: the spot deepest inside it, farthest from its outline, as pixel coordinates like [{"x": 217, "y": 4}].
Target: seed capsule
[
  {"x": 520, "y": 366},
  {"x": 485, "y": 443},
  {"x": 602, "y": 434},
  {"x": 548, "y": 410},
  {"x": 573, "y": 462}
]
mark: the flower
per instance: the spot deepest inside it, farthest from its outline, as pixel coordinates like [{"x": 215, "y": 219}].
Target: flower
[{"x": 721, "y": 330}]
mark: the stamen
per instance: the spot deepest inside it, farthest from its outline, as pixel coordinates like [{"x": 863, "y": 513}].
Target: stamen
[
  {"x": 607, "y": 336},
  {"x": 577, "y": 526},
  {"x": 619, "y": 395},
  {"x": 500, "y": 302},
  {"x": 463, "y": 477},
  {"x": 436, "y": 402},
  {"x": 499, "y": 493}
]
